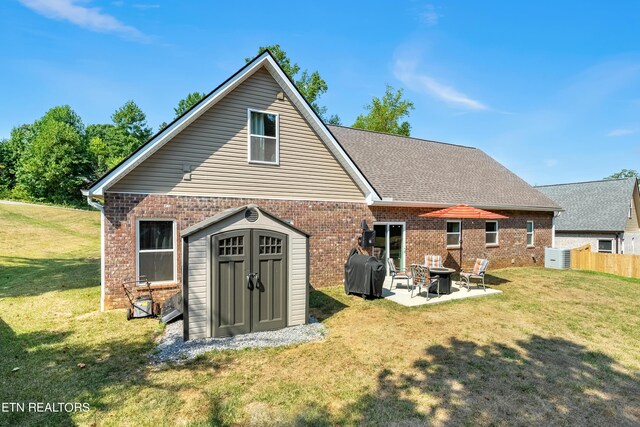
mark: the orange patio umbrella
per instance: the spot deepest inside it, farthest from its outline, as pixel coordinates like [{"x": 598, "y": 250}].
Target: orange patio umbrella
[{"x": 463, "y": 212}]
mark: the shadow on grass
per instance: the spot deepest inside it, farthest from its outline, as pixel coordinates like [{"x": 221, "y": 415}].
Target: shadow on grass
[
  {"x": 49, "y": 372},
  {"x": 541, "y": 381},
  {"x": 322, "y": 306},
  {"x": 29, "y": 276}
]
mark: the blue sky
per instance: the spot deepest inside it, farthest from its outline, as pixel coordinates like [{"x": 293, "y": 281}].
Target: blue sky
[{"x": 550, "y": 89}]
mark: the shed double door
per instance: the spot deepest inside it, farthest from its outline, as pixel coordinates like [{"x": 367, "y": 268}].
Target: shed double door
[{"x": 249, "y": 280}]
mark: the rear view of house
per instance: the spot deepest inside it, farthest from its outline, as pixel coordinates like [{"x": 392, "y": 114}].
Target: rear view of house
[
  {"x": 250, "y": 182},
  {"x": 604, "y": 214}
]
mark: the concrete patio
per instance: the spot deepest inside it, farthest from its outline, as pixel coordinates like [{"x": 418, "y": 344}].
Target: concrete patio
[{"x": 402, "y": 294}]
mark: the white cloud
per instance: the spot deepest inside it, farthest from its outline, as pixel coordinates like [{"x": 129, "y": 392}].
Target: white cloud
[
  {"x": 91, "y": 18},
  {"x": 406, "y": 72},
  {"x": 430, "y": 16},
  {"x": 621, "y": 132},
  {"x": 550, "y": 162}
]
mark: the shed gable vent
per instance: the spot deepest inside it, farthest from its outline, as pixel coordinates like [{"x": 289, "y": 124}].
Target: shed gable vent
[{"x": 251, "y": 215}]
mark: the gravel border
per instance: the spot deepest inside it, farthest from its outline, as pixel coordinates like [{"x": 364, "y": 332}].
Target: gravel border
[{"x": 172, "y": 347}]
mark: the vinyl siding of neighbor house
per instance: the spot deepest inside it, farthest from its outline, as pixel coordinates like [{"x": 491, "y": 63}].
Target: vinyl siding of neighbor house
[
  {"x": 214, "y": 147},
  {"x": 199, "y": 286},
  {"x": 633, "y": 224}
]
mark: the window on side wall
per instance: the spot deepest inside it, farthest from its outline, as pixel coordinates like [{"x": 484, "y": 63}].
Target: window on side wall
[
  {"x": 491, "y": 233},
  {"x": 156, "y": 250},
  {"x": 605, "y": 246},
  {"x": 453, "y": 233},
  {"x": 530, "y": 232},
  {"x": 264, "y": 145}
]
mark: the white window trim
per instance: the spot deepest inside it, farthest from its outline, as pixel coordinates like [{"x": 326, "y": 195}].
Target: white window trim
[
  {"x": 459, "y": 233},
  {"x": 249, "y": 135},
  {"x": 533, "y": 234},
  {"x": 387, "y": 225},
  {"x": 497, "y": 233},
  {"x": 605, "y": 240},
  {"x": 174, "y": 250}
]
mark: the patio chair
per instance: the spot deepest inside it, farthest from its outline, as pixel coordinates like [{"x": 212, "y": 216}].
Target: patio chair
[
  {"x": 396, "y": 274},
  {"x": 479, "y": 268},
  {"x": 433, "y": 261},
  {"x": 423, "y": 279}
]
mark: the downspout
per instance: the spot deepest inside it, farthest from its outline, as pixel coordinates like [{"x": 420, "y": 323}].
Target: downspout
[
  {"x": 100, "y": 207},
  {"x": 553, "y": 228}
]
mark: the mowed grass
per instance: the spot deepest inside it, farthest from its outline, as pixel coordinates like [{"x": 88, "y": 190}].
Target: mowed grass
[{"x": 556, "y": 348}]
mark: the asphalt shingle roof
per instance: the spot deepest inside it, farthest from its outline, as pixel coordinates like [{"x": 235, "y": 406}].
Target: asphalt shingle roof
[
  {"x": 592, "y": 206},
  {"x": 417, "y": 170}
]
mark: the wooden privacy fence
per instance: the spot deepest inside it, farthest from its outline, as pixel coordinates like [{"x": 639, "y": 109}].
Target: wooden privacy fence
[{"x": 619, "y": 264}]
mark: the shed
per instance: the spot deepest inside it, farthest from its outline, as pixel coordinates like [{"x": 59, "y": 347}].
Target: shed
[{"x": 244, "y": 270}]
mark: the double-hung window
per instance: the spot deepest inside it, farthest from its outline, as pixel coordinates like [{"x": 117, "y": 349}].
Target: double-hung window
[
  {"x": 605, "y": 246},
  {"x": 157, "y": 250},
  {"x": 264, "y": 145},
  {"x": 453, "y": 233},
  {"x": 491, "y": 233},
  {"x": 530, "y": 239}
]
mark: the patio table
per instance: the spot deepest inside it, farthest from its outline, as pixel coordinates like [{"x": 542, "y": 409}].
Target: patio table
[{"x": 445, "y": 278}]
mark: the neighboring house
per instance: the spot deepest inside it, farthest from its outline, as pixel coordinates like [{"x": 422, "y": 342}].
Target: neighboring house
[
  {"x": 255, "y": 141},
  {"x": 605, "y": 214}
]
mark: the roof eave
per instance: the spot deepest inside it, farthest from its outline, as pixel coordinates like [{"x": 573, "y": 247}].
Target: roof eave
[
  {"x": 400, "y": 203},
  {"x": 98, "y": 188}
]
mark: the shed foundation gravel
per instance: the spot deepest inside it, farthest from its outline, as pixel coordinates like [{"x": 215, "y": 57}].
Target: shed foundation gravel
[{"x": 173, "y": 348}]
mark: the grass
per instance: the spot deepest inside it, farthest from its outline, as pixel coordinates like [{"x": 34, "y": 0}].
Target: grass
[{"x": 556, "y": 348}]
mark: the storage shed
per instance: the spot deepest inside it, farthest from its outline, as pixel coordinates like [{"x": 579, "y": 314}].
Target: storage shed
[{"x": 244, "y": 270}]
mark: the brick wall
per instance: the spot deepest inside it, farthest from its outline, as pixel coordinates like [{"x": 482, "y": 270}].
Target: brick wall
[
  {"x": 427, "y": 236},
  {"x": 334, "y": 229}
]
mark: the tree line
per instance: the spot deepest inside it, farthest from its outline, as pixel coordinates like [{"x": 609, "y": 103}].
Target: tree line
[{"x": 52, "y": 159}]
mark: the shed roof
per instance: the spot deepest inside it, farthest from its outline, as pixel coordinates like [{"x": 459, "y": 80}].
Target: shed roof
[
  {"x": 406, "y": 169},
  {"x": 230, "y": 212},
  {"x": 592, "y": 206}
]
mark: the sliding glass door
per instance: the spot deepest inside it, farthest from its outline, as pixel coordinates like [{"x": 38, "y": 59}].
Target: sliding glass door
[{"x": 390, "y": 242}]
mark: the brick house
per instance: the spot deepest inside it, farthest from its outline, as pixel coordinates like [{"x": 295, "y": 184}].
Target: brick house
[{"x": 255, "y": 140}]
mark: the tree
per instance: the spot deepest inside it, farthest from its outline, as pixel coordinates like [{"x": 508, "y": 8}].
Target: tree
[
  {"x": 310, "y": 84},
  {"x": 384, "y": 114},
  {"x": 10, "y": 152},
  {"x": 130, "y": 119},
  {"x": 55, "y": 163},
  {"x": 111, "y": 143},
  {"x": 187, "y": 103},
  {"x": 624, "y": 173}
]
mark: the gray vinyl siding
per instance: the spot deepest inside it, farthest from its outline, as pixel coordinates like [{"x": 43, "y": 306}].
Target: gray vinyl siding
[
  {"x": 199, "y": 289},
  {"x": 215, "y": 148}
]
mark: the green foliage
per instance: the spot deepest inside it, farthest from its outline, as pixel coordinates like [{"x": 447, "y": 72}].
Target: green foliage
[
  {"x": 132, "y": 121},
  {"x": 109, "y": 144},
  {"x": 55, "y": 163},
  {"x": 384, "y": 114},
  {"x": 624, "y": 173},
  {"x": 187, "y": 103},
  {"x": 10, "y": 152},
  {"x": 310, "y": 84}
]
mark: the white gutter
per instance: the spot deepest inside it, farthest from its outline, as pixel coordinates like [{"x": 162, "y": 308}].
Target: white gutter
[
  {"x": 391, "y": 202},
  {"x": 100, "y": 207}
]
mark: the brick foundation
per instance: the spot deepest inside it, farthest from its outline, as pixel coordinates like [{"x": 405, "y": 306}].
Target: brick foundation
[{"x": 334, "y": 229}]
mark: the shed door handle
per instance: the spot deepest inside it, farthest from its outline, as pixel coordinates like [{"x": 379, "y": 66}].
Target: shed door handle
[{"x": 250, "y": 281}]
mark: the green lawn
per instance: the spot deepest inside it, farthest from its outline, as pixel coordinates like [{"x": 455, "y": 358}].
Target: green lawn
[{"x": 556, "y": 348}]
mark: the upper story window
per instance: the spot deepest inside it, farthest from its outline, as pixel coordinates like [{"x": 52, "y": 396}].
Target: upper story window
[
  {"x": 491, "y": 232},
  {"x": 157, "y": 250},
  {"x": 264, "y": 144},
  {"x": 530, "y": 231}
]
